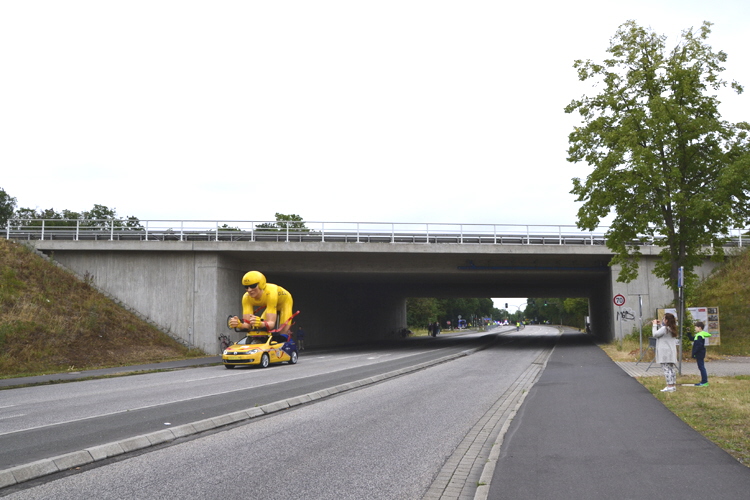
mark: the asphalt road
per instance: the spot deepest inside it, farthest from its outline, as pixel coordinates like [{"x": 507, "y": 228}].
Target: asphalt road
[
  {"x": 43, "y": 421},
  {"x": 386, "y": 440}
]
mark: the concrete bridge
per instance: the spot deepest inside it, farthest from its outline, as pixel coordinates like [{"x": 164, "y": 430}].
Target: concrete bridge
[{"x": 350, "y": 280}]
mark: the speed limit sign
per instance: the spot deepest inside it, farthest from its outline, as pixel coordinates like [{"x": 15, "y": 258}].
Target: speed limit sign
[{"x": 619, "y": 300}]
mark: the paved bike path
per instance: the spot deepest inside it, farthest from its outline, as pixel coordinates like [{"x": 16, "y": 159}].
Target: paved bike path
[{"x": 587, "y": 430}]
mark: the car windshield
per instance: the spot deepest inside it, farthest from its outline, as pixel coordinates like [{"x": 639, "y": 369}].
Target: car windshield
[{"x": 254, "y": 339}]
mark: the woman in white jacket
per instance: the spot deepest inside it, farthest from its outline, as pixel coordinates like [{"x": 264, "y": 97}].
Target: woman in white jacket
[{"x": 666, "y": 349}]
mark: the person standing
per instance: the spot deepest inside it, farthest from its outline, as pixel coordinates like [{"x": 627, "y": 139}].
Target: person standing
[
  {"x": 666, "y": 349},
  {"x": 301, "y": 338},
  {"x": 699, "y": 351}
]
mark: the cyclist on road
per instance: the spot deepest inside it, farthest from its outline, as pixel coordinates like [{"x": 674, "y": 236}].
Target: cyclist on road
[{"x": 259, "y": 294}]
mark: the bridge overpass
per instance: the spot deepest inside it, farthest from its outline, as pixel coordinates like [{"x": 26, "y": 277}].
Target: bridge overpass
[{"x": 350, "y": 280}]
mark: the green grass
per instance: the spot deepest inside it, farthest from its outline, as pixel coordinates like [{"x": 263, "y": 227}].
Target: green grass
[
  {"x": 729, "y": 289},
  {"x": 720, "y": 412},
  {"x": 52, "y": 322}
]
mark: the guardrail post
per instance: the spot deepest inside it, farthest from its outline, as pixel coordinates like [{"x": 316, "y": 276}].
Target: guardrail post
[
  {"x": 146, "y": 228},
  {"x": 182, "y": 229},
  {"x": 43, "y": 229},
  {"x": 393, "y": 233},
  {"x": 322, "y": 232}
]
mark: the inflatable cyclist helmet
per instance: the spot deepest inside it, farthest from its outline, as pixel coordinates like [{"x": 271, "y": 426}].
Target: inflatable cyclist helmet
[{"x": 253, "y": 279}]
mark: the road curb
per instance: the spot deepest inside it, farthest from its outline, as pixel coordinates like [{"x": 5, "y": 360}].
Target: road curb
[
  {"x": 469, "y": 470},
  {"x": 34, "y": 470}
]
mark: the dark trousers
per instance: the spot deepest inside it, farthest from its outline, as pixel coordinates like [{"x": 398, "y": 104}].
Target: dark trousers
[{"x": 702, "y": 368}]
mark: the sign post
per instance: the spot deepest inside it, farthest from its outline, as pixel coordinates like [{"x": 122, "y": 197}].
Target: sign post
[
  {"x": 640, "y": 326},
  {"x": 619, "y": 301},
  {"x": 680, "y": 285}
]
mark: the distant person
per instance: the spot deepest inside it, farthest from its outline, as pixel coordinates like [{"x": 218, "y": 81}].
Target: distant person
[
  {"x": 301, "y": 338},
  {"x": 699, "y": 352},
  {"x": 276, "y": 302},
  {"x": 666, "y": 349}
]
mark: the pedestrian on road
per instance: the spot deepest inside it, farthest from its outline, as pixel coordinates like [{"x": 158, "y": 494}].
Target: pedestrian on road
[
  {"x": 699, "y": 351},
  {"x": 301, "y": 338},
  {"x": 666, "y": 349}
]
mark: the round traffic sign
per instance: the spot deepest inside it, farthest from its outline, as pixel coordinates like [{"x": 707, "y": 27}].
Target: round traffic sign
[{"x": 619, "y": 300}]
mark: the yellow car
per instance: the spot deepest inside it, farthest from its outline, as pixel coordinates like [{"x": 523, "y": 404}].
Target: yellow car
[{"x": 261, "y": 350}]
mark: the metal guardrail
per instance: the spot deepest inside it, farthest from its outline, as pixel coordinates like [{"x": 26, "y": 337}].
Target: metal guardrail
[{"x": 346, "y": 232}]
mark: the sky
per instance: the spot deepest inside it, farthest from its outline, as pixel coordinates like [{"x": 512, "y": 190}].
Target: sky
[{"x": 345, "y": 111}]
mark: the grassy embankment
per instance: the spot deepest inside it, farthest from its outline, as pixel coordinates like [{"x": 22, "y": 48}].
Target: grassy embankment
[
  {"x": 52, "y": 322},
  {"x": 721, "y": 411}
]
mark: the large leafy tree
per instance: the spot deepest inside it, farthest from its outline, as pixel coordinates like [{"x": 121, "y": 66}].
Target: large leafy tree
[{"x": 672, "y": 171}]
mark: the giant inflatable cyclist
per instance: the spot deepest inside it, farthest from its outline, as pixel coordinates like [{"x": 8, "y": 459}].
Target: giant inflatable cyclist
[{"x": 275, "y": 301}]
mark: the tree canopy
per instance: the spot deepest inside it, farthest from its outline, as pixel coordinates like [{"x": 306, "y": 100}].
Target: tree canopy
[
  {"x": 672, "y": 171},
  {"x": 7, "y": 207},
  {"x": 292, "y": 222},
  {"x": 100, "y": 217},
  {"x": 424, "y": 310}
]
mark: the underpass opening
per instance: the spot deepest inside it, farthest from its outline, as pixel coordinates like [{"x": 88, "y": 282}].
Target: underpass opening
[{"x": 358, "y": 307}]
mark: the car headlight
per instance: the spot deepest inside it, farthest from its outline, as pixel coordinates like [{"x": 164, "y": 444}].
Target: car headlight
[
  {"x": 226, "y": 351},
  {"x": 253, "y": 351}
]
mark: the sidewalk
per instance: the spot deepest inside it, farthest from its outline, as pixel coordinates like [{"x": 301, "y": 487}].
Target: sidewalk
[
  {"x": 733, "y": 365},
  {"x": 588, "y": 430}
]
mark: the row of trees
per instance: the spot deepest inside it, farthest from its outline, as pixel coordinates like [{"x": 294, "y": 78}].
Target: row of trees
[
  {"x": 105, "y": 217},
  {"x": 424, "y": 310},
  {"x": 570, "y": 311},
  {"x": 99, "y": 215}
]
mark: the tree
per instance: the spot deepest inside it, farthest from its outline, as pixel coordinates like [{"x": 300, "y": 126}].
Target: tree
[
  {"x": 671, "y": 170},
  {"x": 420, "y": 311},
  {"x": 7, "y": 207},
  {"x": 283, "y": 222},
  {"x": 291, "y": 222}
]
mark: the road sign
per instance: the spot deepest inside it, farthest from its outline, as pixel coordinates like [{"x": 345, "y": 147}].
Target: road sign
[{"x": 619, "y": 300}]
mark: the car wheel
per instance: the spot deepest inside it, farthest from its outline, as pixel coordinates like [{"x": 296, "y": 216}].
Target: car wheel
[
  {"x": 293, "y": 360},
  {"x": 264, "y": 360},
  {"x": 228, "y": 367}
]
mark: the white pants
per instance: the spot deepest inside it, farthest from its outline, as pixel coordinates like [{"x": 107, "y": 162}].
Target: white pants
[{"x": 670, "y": 372}]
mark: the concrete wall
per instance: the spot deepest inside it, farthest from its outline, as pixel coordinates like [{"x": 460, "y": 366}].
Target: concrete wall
[{"x": 653, "y": 294}]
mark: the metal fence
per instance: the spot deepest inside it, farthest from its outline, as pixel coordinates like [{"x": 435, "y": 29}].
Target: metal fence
[{"x": 311, "y": 231}]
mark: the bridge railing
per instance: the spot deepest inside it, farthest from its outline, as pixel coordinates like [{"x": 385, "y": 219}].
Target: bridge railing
[{"x": 313, "y": 231}]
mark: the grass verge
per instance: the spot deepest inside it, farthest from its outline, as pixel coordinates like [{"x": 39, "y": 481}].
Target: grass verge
[
  {"x": 52, "y": 322},
  {"x": 721, "y": 411}
]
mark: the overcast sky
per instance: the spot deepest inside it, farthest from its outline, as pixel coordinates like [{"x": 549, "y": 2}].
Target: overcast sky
[{"x": 387, "y": 111}]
